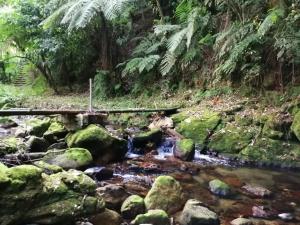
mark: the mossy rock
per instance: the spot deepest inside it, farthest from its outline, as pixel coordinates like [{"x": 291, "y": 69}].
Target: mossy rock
[
  {"x": 108, "y": 217},
  {"x": 142, "y": 139},
  {"x": 199, "y": 129},
  {"x": 269, "y": 150},
  {"x": 48, "y": 168},
  {"x": 103, "y": 146},
  {"x": 129, "y": 119},
  {"x": 11, "y": 145},
  {"x": 220, "y": 188},
  {"x": 185, "y": 149},
  {"x": 37, "y": 144},
  {"x": 179, "y": 117},
  {"x": 154, "y": 217},
  {"x": 232, "y": 138},
  {"x": 37, "y": 127},
  {"x": 296, "y": 125},
  {"x": 73, "y": 158},
  {"x": 277, "y": 126},
  {"x": 243, "y": 120},
  {"x": 133, "y": 206},
  {"x": 170, "y": 188},
  {"x": 55, "y": 132}
]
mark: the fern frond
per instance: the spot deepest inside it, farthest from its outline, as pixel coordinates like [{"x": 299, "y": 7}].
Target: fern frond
[
  {"x": 273, "y": 17},
  {"x": 176, "y": 39},
  {"x": 163, "y": 29},
  {"x": 167, "y": 63}
]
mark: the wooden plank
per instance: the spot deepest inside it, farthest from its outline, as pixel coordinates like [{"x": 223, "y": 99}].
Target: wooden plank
[{"x": 24, "y": 112}]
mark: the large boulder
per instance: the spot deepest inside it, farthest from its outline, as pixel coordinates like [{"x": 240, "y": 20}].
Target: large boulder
[
  {"x": 103, "y": 146},
  {"x": 185, "y": 149},
  {"x": 37, "y": 144},
  {"x": 153, "y": 217},
  {"x": 199, "y": 129},
  {"x": 133, "y": 206},
  {"x": 194, "y": 213},
  {"x": 73, "y": 158},
  {"x": 142, "y": 139},
  {"x": 166, "y": 194},
  {"x": 29, "y": 195},
  {"x": 37, "y": 127},
  {"x": 55, "y": 132},
  {"x": 232, "y": 138}
]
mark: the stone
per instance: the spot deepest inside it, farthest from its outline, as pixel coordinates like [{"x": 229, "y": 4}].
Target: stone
[
  {"x": 20, "y": 133},
  {"x": 296, "y": 125},
  {"x": 60, "y": 145},
  {"x": 194, "y": 213},
  {"x": 103, "y": 146},
  {"x": 142, "y": 139},
  {"x": 220, "y": 188},
  {"x": 179, "y": 117},
  {"x": 199, "y": 129},
  {"x": 232, "y": 138},
  {"x": 132, "y": 206},
  {"x": 99, "y": 173},
  {"x": 28, "y": 194},
  {"x": 241, "y": 221},
  {"x": 6, "y": 123},
  {"x": 257, "y": 191},
  {"x": 153, "y": 217},
  {"x": 108, "y": 217},
  {"x": 11, "y": 145},
  {"x": 164, "y": 122},
  {"x": 37, "y": 144},
  {"x": 37, "y": 127},
  {"x": 113, "y": 195},
  {"x": 263, "y": 212},
  {"x": 73, "y": 158},
  {"x": 166, "y": 194},
  {"x": 48, "y": 168},
  {"x": 286, "y": 216},
  {"x": 185, "y": 149},
  {"x": 55, "y": 132}
]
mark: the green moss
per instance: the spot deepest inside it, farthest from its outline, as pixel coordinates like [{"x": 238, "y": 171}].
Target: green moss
[
  {"x": 48, "y": 167},
  {"x": 80, "y": 155},
  {"x": 179, "y": 117},
  {"x": 130, "y": 119},
  {"x": 132, "y": 206},
  {"x": 199, "y": 129},
  {"x": 296, "y": 125},
  {"x": 186, "y": 145},
  {"x": 232, "y": 139},
  {"x": 165, "y": 186},
  {"x": 11, "y": 145},
  {"x": 55, "y": 131},
  {"x": 4, "y": 179},
  {"x": 219, "y": 187},
  {"x": 154, "y": 217},
  {"x": 243, "y": 120},
  {"x": 37, "y": 127}
]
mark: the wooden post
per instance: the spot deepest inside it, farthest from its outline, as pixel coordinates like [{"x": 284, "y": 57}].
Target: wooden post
[{"x": 91, "y": 96}]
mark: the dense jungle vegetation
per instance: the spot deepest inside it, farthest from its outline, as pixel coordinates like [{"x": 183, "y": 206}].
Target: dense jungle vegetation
[{"x": 142, "y": 47}]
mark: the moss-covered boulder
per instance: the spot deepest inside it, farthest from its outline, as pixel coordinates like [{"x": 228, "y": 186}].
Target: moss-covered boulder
[
  {"x": 166, "y": 194},
  {"x": 29, "y": 195},
  {"x": 133, "y": 206},
  {"x": 55, "y": 132},
  {"x": 142, "y": 139},
  {"x": 108, "y": 217},
  {"x": 296, "y": 125},
  {"x": 220, "y": 188},
  {"x": 179, "y": 117},
  {"x": 103, "y": 146},
  {"x": 232, "y": 138},
  {"x": 11, "y": 145},
  {"x": 199, "y": 129},
  {"x": 277, "y": 126},
  {"x": 37, "y": 127},
  {"x": 48, "y": 168},
  {"x": 154, "y": 217},
  {"x": 73, "y": 158},
  {"x": 185, "y": 149}
]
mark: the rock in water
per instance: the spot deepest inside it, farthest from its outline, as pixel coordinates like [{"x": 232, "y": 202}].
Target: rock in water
[
  {"x": 257, "y": 191},
  {"x": 286, "y": 216},
  {"x": 263, "y": 212},
  {"x": 113, "y": 195},
  {"x": 194, "y": 213},
  {"x": 241, "y": 221},
  {"x": 108, "y": 217},
  {"x": 153, "y": 217},
  {"x": 73, "y": 158},
  {"x": 99, "y": 173},
  {"x": 185, "y": 149},
  {"x": 30, "y": 196},
  {"x": 103, "y": 146},
  {"x": 133, "y": 206},
  {"x": 37, "y": 144},
  {"x": 142, "y": 139},
  {"x": 166, "y": 194},
  {"x": 219, "y": 188},
  {"x": 164, "y": 122}
]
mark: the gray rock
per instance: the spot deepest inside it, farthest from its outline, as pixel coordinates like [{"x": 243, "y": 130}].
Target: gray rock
[
  {"x": 286, "y": 216},
  {"x": 194, "y": 213},
  {"x": 263, "y": 212},
  {"x": 113, "y": 195},
  {"x": 60, "y": 145},
  {"x": 133, "y": 206},
  {"x": 20, "y": 133},
  {"x": 108, "y": 217},
  {"x": 241, "y": 221},
  {"x": 99, "y": 173},
  {"x": 257, "y": 191}
]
